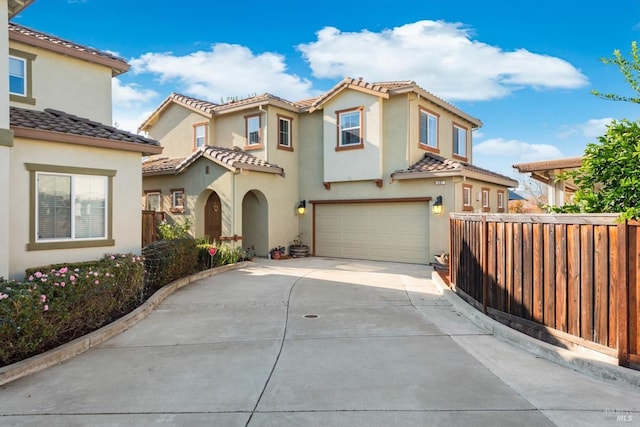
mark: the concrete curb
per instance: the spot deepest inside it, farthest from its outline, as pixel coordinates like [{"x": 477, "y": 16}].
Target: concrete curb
[
  {"x": 584, "y": 360},
  {"x": 80, "y": 345}
]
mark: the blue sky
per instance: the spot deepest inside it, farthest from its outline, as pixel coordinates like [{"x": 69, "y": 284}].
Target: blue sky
[{"x": 525, "y": 68}]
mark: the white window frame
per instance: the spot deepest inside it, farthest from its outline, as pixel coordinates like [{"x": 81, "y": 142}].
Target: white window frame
[
  {"x": 284, "y": 134},
  {"x": 23, "y": 77},
  {"x": 459, "y": 149},
  {"x": 428, "y": 138},
  {"x": 346, "y": 127},
  {"x": 467, "y": 201},
  {"x": 485, "y": 194},
  {"x": 253, "y": 127},
  {"x": 174, "y": 198},
  {"x": 149, "y": 196},
  {"x": 199, "y": 135},
  {"x": 75, "y": 208},
  {"x": 500, "y": 200}
]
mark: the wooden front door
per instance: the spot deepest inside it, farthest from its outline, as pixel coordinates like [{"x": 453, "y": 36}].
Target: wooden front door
[{"x": 213, "y": 217}]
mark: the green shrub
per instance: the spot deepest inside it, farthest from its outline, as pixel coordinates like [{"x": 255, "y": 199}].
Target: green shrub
[
  {"x": 174, "y": 231},
  {"x": 57, "y": 303},
  {"x": 224, "y": 254},
  {"x": 169, "y": 260}
]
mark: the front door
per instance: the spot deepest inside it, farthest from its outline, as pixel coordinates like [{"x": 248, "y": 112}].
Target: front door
[{"x": 213, "y": 218}]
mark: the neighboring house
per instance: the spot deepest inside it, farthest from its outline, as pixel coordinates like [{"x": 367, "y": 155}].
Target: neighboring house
[
  {"x": 547, "y": 171},
  {"x": 74, "y": 182},
  {"x": 368, "y": 161}
]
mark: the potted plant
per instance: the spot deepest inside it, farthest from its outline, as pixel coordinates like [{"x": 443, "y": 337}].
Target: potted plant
[{"x": 297, "y": 249}]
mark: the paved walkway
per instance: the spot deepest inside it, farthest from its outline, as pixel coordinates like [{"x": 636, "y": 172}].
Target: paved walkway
[{"x": 312, "y": 342}]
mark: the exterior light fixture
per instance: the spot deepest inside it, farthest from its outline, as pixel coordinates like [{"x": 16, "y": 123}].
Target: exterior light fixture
[
  {"x": 302, "y": 207},
  {"x": 437, "y": 206}
]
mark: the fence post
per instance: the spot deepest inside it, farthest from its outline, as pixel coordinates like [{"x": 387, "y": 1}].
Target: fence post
[
  {"x": 484, "y": 263},
  {"x": 623, "y": 295}
]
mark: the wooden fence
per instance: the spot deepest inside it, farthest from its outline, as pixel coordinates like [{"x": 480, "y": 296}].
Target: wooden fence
[
  {"x": 565, "y": 279},
  {"x": 150, "y": 221}
]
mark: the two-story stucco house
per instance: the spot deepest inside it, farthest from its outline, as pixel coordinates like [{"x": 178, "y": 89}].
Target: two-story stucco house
[
  {"x": 71, "y": 182},
  {"x": 368, "y": 161}
]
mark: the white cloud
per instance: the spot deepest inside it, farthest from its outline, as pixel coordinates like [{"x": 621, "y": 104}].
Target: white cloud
[
  {"x": 518, "y": 151},
  {"x": 126, "y": 95},
  {"x": 227, "y": 70},
  {"x": 129, "y": 119},
  {"x": 442, "y": 57},
  {"x": 590, "y": 129}
]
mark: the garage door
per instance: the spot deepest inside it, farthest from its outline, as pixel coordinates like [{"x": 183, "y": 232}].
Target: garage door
[{"x": 380, "y": 231}]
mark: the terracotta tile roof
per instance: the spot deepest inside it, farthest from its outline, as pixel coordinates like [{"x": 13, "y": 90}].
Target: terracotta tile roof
[
  {"x": 161, "y": 165},
  {"x": 306, "y": 102},
  {"x": 58, "y": 121},
  {"x": 434, "y": 164},
  {"x": 387, "y": 89},
  {"x": 199, "y": 104},
  {"x": 266, "y": 97},
  {"x": 230, "y": 158},
  {"x": 28, "y": 35},
  {"x": 545, "y": 165}
]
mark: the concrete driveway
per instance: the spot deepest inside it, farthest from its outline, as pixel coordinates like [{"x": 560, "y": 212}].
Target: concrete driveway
[{"x": 312, "y": 342}]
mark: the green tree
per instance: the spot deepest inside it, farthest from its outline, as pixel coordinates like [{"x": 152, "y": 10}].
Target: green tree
[
  {"x": 630, "y": 68},
  {"x": 609, "y": 179}
]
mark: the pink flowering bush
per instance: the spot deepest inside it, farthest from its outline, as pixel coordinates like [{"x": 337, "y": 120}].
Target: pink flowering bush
[{"x": 58, "y": 303}]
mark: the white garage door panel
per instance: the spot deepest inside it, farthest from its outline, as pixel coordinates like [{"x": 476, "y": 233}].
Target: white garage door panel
[{"x": 376, "y": 231}]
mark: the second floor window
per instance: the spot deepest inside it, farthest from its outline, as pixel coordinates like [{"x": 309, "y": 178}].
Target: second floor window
[
  {"x": 200, "y": 135},
  {"x": 350, "y": 128},
  {"x": 428, "y": 129},
  {"x": 17, "y": 76},
  {"x": 253, "y": 130},
  {"x": 459, "y": 141},
  {"x": 284, "y": 132}
]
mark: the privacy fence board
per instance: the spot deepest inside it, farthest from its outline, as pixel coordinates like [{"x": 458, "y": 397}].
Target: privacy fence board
[{"x": 563, "y": 278}]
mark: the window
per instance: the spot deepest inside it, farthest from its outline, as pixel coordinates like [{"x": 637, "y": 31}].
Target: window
[
  {"x": 71, "y": 207},
  {"x": 284, "y": 133},
  {"x": 153, "y": 201},
  {"x": 459, "y": 141},
  {"x": 350, "y": 133},
  {"x": 500, "y": 200},
  {"x": 17, "y": 76},
  {"x": 199, "y": 135},
  {"x": 428, "y": 130},
  {"x": 466, "y": 197},
  {"x": 177, "y": 200},
  {"x": 253, "y": 132},
  {"x": 20, "y": 66},
  {"x": 485, "y": 199}
]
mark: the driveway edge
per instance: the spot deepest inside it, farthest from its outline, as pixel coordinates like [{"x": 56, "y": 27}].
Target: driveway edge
[
  {"x": 66, "y": 351},
  {"x": 585, "y": 360}
]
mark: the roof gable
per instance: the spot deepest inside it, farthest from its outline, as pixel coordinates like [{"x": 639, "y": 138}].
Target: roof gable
[{"x": 232, "y": 159}]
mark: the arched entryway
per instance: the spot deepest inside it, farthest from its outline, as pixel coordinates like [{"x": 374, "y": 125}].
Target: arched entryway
[
  {"x": 255, "y": 222},
  {"x": 213, "y": 217}
]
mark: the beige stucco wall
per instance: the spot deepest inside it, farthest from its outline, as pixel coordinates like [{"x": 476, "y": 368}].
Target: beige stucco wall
[
  {"x": 5, "y": 135},
  {"x": 339, "y": 165},
  {"x": 446, "y": 121},
  {"x": 175, "y": 130},
  {"x": 126, "y": 220},
  {"x": 69, "y": 84}
]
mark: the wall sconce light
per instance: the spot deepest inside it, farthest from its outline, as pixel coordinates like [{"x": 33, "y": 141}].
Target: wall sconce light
[
  {"x": 302, "y": 207},
  {"x": 437, "y": 206}
]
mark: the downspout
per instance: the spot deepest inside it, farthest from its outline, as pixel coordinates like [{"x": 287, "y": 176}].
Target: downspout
[{"x": 235, "y": 209}]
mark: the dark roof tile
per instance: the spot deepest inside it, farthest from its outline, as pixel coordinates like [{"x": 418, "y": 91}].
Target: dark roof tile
[{"x": 59, "y": 121}]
